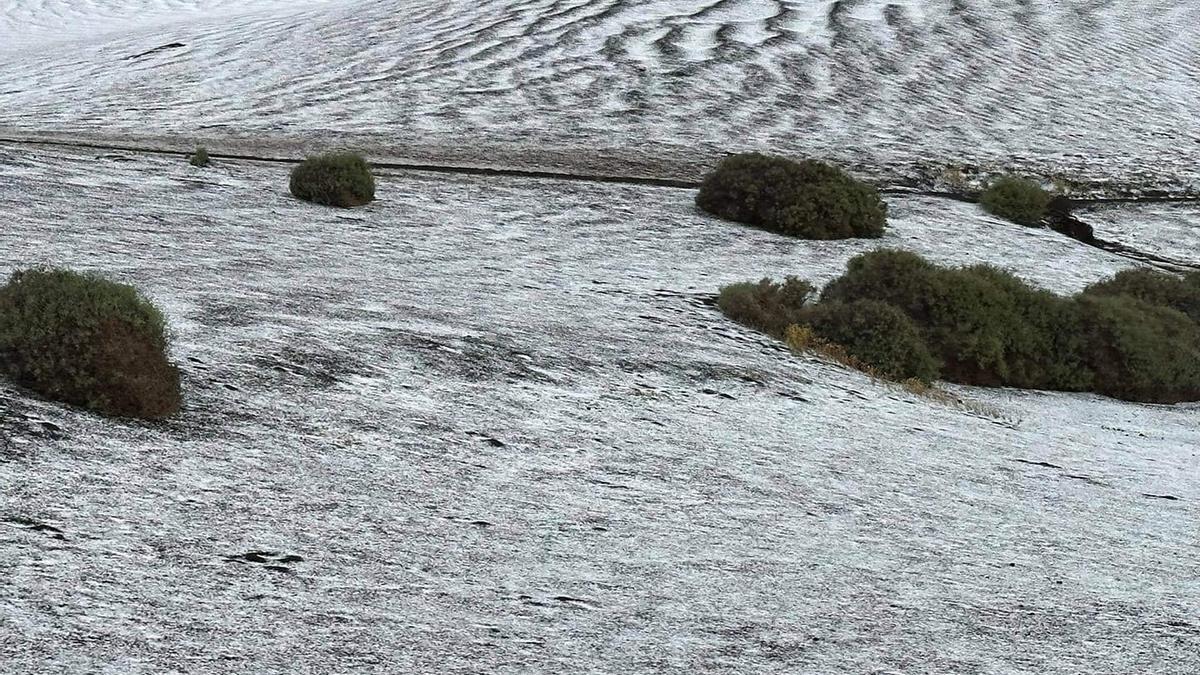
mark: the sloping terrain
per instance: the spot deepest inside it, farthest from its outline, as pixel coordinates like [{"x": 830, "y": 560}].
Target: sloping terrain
[
  {"x": 1163, "y": 229},
  {"x": 495, "y": 423},
  {"x": 495, "y": 426},
  {"x": 1092, "y": 90}
]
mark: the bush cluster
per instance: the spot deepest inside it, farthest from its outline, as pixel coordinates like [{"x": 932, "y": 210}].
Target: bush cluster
[
  {"x": 87, "y": 341},
  {"x": 1134, "y": 337},
  {"x": 980, "y": 322},
  {"x": 807, "y": 199},
  {"x": 1017, "y": 199},
  {"x": 337, "y": 179}
]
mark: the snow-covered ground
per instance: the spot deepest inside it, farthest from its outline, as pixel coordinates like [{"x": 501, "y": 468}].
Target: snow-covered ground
[
  {"x": 1168, "y": 230},
  {"x": 504, "y": 431},
  {"x": 495, "y": 425},
  {"x": 1097, "y": 90}
]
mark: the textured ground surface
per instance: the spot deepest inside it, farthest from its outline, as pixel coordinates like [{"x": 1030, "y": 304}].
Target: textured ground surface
[
  {"x": 1092, "y": 89},
  {"x": 1168, "y": 230},
  {"x": 495, "y": 425},
  {"x": 492, "y": 426}
]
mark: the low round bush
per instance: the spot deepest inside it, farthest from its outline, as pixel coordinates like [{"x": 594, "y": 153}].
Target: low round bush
[
  {"x": 1154, "y": 287},
  {"x": 199, "y": 158},
  {"x": 1017, "y": 199},
  {"x": 876, "y": 334},
  {"x": 767, "y": 306},
  {"x": 87, "y": 341},
  {"x": 807, "y": 199},
  {"x": 338, "y": 179},
  {"x": 1141, "y": 352}
]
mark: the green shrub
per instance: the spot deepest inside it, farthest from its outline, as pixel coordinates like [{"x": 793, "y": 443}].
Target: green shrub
[
  {"x": 1141, "y": 352},
  {"x": 87, "y": 341},
  {"x": 339, "y": 179},
  {"x": 970, "y": 320},
  {"x": 1046, "y": 348},
  {"x": 1128, "y": 337},
  {"x": 1156, "y": 288},
  {"x": 897, "y": 277},
  {"x": 961, "y": 313},
  {"x": 984, "y": 324},
  {"x": 767, "y": 306},
  {"x": 199, "y": 157},
  {"x": 1017, "y": 199},
  {"x": 877, "y": 334},
  {"x": 994, "y": 329},
  {"x": 807, "y": 199}
]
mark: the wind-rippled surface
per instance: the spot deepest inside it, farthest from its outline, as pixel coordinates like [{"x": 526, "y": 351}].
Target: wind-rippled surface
[{"x": 1096, "y": 89}]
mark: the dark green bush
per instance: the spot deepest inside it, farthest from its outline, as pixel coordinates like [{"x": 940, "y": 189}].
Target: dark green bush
[
  {"x": 87, "y": 341},
  {"x": 961, "y": 314},
  {"x": 877, "y": 334},
  {"x": 1156, "y": 288},
  {"x": 1141, "y": 352},
  {"x": 767, "y": 306},
  {"x": 1045, "y": 348},
  {"x": 199, "y": 157},
  {"x": 1128, "y": 337},
  {"x": 807, "y": 199},
  {"x": 1017, "y": 199},
  {"x": 897, "y": 277},
  {"x": 339, "y": 179},
  {"x": 986, "y": 326},
  {"x": 970, "y": 320}
]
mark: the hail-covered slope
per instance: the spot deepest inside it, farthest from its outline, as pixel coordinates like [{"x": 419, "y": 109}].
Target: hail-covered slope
[
  {"x": 495, "y": 426},
  {"x": 1095, "y": 89},
  {"x": 1171, "y": 231}
]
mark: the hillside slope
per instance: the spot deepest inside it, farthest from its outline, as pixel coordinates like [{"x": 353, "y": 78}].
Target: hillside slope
[
  {"x": 502, "y": 429},
  {"x": 1095, "y": 89},
  {"x": 495, "y": 423}
]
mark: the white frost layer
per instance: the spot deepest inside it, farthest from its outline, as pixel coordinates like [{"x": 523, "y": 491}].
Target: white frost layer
[
  {"x": 506, "y": 434},
  {"x": 1164, "y": 229},
  {"x": 30, "y": 24},
  {"x": 1098, "y": 90}
]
